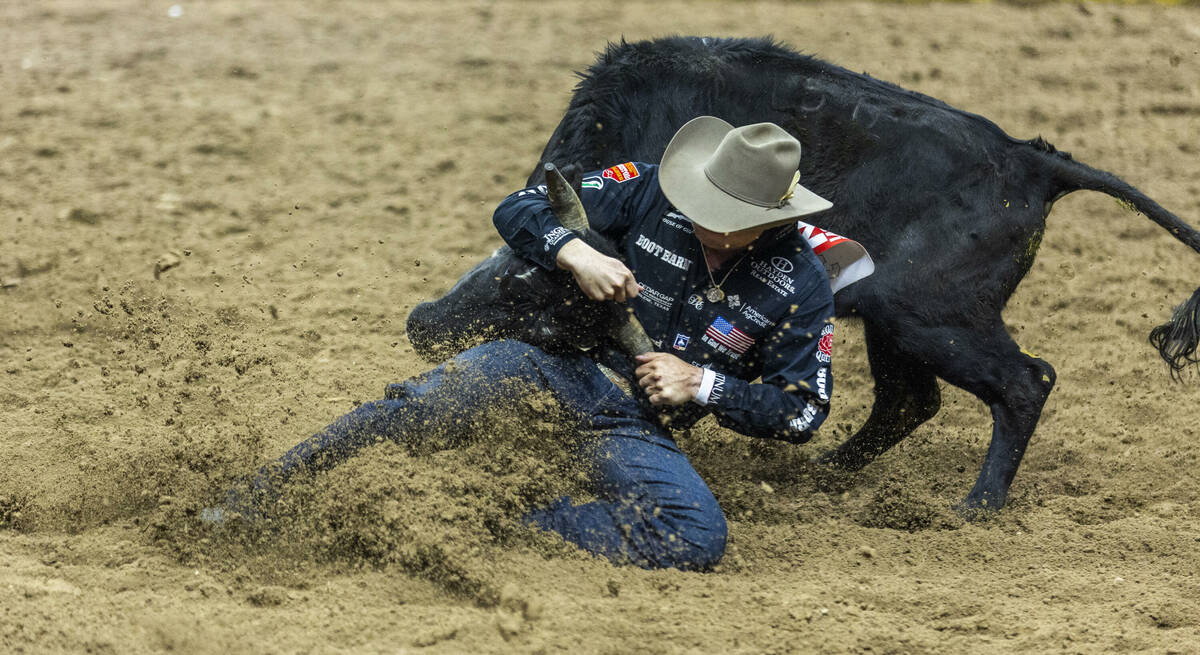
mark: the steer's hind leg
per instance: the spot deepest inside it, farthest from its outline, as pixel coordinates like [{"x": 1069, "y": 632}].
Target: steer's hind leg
[
  {"x": 1013, "y": 384},
  {"x": 906, "y": 395}
]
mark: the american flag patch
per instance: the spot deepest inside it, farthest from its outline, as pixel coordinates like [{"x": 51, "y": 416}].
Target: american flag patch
[{"x": 723, "y": 332}]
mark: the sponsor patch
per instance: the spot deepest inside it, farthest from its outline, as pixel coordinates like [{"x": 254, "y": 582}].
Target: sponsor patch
[
  {"x": 718, "y": 389},
  {"x": 678, "y": 221},
  {"x": 822, "y": 383},
  {"x": 681, "y": 341},
  {"x": 756, "y": 317},
  {"x": 678, "y": 261},
  {"x": 770, "y": 276},
  {"x": 695, "y": 300},
  {"x": 724, "y": 333},
  {"x": 554, "y": 236},
  {"x": 802, "y": 422},
  {"x": 592, "y": 182},
  {"x": 655, "y": 298},
  {"x": 825, "y": 345},
  {"x": 622, "y": 172},
  {"x": 819, "y": 239},
  {"x": 539, "y": 189}
]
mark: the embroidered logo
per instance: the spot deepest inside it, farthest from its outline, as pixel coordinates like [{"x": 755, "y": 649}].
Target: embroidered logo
[
  {"x": 655, "y": 298},
  {"x": 554, "y": 236},
  {"x": 756, "y": 317},
  {"x": 823, "y": 384},
  {"x": 541, "y": 188},
  {"x": 825, "y": 345},
  {"x": 770, "y": 276},
  {"x": 622, "y": 172},
  {"x": 734, "y": 300},
  {"x": 696, "y": 301},
  {"x": 724, "y": 333},
  {"x": 678, "y": 221},
  {"x": 592, "y": 182},
  {"x": 782, "y": 265},
  {"x": 678, "y": 261},
  {"x": 802, "y": 422},
  {"x": 681, "y": 341},
  {"x": 718, "y": 389}
]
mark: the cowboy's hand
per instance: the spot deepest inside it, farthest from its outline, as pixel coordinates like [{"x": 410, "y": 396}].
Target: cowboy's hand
[
  {"x": 599, "y": 276},
  {"x": 668, "y": 380}
]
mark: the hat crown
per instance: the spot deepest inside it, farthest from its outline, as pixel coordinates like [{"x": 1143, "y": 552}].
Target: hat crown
[{"x": 755, "y": 164}]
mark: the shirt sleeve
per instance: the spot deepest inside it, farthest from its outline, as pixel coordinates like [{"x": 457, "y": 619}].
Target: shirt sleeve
[
  {"x": 793, "y": 398},
  {"x": 613, "y": 199}
]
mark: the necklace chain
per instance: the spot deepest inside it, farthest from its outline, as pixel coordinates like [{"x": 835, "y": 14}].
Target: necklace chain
[{"x": 715, "y": 293}]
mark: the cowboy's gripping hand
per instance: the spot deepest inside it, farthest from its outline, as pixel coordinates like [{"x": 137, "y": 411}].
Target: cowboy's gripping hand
[
  {"x": 599, "y": 276},
  {"x": 668, "y": 380}
]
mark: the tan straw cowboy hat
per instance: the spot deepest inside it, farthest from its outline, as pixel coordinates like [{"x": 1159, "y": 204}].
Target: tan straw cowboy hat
[{"x": 727, "y": 179}]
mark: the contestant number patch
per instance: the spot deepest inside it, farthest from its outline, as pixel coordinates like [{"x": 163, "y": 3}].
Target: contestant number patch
[{"x": 622, "y": 172}]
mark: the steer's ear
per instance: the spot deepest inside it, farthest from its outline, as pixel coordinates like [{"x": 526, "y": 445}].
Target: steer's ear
[
  {"x": 564, "y": 201},
  {"x": 573, "y": 174}
]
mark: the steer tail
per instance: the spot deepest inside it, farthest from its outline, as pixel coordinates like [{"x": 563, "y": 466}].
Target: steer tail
[{"x": 1177, "y": 339}]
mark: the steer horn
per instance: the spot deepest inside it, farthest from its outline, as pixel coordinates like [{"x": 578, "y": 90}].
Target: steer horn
[
  {"x": 564, "y": 201},
  {"x": 565, "y": 204}
]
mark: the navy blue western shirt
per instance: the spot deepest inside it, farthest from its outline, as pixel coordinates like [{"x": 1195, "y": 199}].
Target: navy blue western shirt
[{"x": 773, "y": 323}]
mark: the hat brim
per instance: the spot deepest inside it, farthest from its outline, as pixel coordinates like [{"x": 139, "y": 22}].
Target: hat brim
[{"x": 682, "y": 178}]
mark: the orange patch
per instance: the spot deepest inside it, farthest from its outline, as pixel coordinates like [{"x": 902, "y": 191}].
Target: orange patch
[{"x": 622, "y": 172}]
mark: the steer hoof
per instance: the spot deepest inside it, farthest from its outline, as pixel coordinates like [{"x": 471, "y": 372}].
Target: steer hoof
[{"x": 978, "y": 508}]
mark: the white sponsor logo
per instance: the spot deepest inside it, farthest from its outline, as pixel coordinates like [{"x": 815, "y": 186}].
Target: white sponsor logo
[
  {"x": 554, "y": 236},
  {"x": 754, "y": 316},
  {"x": 655, "y": 298},
  {"x": 541, "y": 188},
  {"x": 782, "y": 265},
  {"x": 718, "y": 389},
  {"x": 802, "y": 422},
  {"x": 696, "y": 301},
  {"x": 678, "y": 261},
  {"x": 734, "y": 300},
  {"x": 778, "y": 282},
  {"x": 677, "y": 221},
  {"x": 720, "y": 348},
  {"x": 593, "y": 182},
  {"x": 822, "y": 391}
]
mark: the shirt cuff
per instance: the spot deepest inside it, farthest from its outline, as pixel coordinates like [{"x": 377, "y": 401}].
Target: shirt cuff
[
  {"x": 704, "y": 395},
  {"x": 553, "y": 241}
]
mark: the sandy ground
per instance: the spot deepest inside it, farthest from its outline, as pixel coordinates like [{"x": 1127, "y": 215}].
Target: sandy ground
[{"x": 307, "y": 172}]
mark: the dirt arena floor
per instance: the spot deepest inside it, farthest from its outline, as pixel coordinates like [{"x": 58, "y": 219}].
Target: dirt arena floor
[{"x": 305, "y": 172}]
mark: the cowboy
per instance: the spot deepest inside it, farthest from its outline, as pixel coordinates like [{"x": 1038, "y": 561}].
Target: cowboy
[{"x": 724, "y": 285}]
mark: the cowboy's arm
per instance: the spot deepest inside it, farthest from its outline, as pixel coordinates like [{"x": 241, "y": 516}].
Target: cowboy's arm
[{"x": 526, "y": 222}]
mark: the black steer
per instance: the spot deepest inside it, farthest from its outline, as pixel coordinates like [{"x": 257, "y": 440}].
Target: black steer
[{"x": 951, "y": 208}]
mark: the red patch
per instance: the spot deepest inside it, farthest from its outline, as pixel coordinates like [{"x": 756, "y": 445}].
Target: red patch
[
  {"x": 825, "y": 345},
  {"x": 622, "y": 172},
  {"x": 819, "y": 239}
]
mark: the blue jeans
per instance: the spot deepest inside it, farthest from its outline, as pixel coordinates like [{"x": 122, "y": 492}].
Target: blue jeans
[{"x": 652, "y": 508}]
